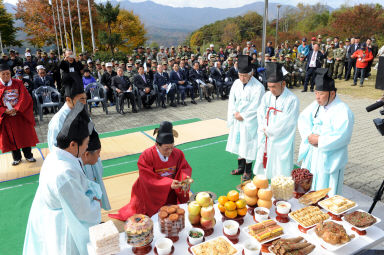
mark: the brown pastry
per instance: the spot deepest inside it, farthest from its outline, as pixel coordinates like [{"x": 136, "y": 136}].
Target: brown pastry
[
  {"x": 174, "y": 217},
  {"x": 171, "y": 210},
  {"x": 163, "y": 215},
  {"x": 180, "y": 211},
  {"x": 164, "y": 208}
]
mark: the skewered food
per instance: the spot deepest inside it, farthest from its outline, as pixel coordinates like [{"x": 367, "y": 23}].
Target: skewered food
[{"x": 292, "y": 246}]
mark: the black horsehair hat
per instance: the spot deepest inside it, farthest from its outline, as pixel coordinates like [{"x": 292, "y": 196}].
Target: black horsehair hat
[
  {"x": 274, "y": 72},
  {"x": 73, "y": 85},
  {"x": 165, "y": 133},
  {"x": 77, "y": 125},
  {"x": 244, "y": 64},
  {"x": 323, "y": 81},
  {"x": 94, "y": 141}
]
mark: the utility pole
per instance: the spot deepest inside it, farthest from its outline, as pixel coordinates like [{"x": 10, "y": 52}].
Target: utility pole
[
  {"x": 277, "y": 24},
  {"x": 70, "y": 24},
  {"x": 81, "y": 30},
  {"x": 58, "y": 18},
  {"x": 90, "y": 22},
  {"x": 264, "y": 41},
  {"x": 54, "y": 24},
  {"x": 65, "y": 27}
]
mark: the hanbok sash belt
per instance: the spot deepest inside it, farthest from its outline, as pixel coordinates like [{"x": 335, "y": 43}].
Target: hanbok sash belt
[{"x": 265, "y": 157}]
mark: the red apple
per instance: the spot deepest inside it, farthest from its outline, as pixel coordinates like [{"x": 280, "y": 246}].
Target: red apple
[
  {"x": 203, "y": 198},
  {"x": 207, "y": 223},
  {"x": 207, "y": 212},
  {"x": 194, "y": 208},
  {"x": 194, "y": 219}
]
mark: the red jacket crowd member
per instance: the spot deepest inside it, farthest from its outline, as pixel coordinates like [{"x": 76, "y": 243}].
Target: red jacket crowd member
[
  {"x": 363, "y": 57},
  {"x": 17, "y": 123}
]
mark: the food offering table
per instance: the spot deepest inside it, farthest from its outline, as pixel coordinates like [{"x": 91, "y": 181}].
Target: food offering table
[{"x": 373, "y": 237}]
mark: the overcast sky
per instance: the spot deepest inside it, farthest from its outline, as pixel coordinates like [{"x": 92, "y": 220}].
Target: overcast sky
[{"x": 238, "y": 3}]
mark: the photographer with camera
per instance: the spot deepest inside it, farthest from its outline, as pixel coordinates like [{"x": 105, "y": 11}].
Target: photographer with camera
[{"x": 71, "y": 64}]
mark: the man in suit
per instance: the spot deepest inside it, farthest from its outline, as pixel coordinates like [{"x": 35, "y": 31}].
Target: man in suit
[
  {"x": 144, "y": 85},
  {"x": 347, "y": 55},
  {"x": 314, "y": 60},
  {"x": 41, "y": 79},
  {"x": 161, "y": 80},
  {"x": 218, "y": 75},
  {"x": 352, "y": 61},
  {"x": 106, "y": 80},
  {"x": 123, "y": 87},
  {"x": 233, "y": 72},
  {"x": 198, "y": 79},
  {"x": 182, "y": 83}
]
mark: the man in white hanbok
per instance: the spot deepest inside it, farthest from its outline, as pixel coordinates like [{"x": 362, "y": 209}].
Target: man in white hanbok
[
  {"x": 244, "y": 99},
  {"x": 74, "y": 92},
  {"x": 277, "y": 116},
  {"x": 326, "y": 128},
  {"x": 66, "y": 203}
]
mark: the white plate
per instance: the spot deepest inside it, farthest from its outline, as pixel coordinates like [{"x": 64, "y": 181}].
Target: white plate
[
  {"x": 330, "y": 247},
  {"x": 246, "y": 231},
  {"x": 226, "y": 239},
  {"x": 325, "y": 208},
  {"x": 378, "y": 220},
  {"x": 300, "y": 224}
]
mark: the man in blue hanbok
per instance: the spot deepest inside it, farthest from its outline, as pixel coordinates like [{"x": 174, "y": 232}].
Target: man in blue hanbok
[
  {"x": 66, "y": 202},
  {"x": 326, "y": 128},
  {"x": 74, "y": 92},
  {"x": 244, "y": 99},
  {"x": 277, "y": 117}
]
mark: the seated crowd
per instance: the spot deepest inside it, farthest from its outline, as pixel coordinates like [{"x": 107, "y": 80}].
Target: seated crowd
[{"x": 171, "y": 75}]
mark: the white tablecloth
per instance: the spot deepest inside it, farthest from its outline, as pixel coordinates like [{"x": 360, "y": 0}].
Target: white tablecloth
[{"x": 374, "y": 235}]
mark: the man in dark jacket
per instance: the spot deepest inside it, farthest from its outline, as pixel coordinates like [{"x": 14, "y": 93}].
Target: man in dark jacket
[
  {"x": 144, "y": 85},
  {"x": 314, "y": 61},
  {"x": 200, "y": 79},
  {"x": 182, "y": 84},
  {"x": 124, "y": 89},
  {"x": 106, "y": 80},
  {"x": 218, "y": 77},
  {"x": 162, "y": 82}
]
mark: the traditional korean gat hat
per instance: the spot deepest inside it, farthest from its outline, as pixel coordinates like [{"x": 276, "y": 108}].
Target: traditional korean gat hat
[{"x": 165, "y": 133}]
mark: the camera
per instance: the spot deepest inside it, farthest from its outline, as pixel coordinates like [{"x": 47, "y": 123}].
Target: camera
[{"x": 379, "y": 123}]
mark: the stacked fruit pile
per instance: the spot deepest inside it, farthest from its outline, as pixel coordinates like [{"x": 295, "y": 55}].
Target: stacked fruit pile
[
  {"x": 231, "y": 205},
  {"x": 257, "y": 192},
  {"x": 201, "y": 211}
]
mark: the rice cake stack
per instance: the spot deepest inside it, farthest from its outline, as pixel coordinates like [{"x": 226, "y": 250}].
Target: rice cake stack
[{"x": 105, "y": 238}]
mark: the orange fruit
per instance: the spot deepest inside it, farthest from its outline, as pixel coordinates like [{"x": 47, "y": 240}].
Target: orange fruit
[
  {"x": 241, "y": 203},
  {"x": 242, "y": 211},
  {"x": 231, "y": 214},
  {"x": 230, "y": 206},
  {"x": 222, "y": 200},
  {"x": 221, "y": 208},
  {"x": 233, "y": 195}
]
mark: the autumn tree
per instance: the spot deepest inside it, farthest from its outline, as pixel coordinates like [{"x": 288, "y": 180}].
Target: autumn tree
[
  {"x": 39, "y": 26},
  {"x": 231, "y": 33},
  {"x": 130, "y": 29},
  {"x": 7, "y": 28}
]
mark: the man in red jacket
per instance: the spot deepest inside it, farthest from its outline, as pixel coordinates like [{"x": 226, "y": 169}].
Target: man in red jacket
[
  {"x": 363, "y": 57},
  {"x": 162, "y": 170},
  {"x": 17, "y": 123}
]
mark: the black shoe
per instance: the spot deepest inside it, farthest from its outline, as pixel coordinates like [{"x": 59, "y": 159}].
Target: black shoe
[
  {"x": 354, "y": 84},
  {"x": 122, "y": 112},
  {"x": 173, "y": 104},
  {"x": 240, "y": 167},
  {"x": 134, "y": 110},
  {"x": 304, "y": 90},
  {"x": 209, "y": 99},
  {"x": 223, "y": 97},
  {"x": 31, "y": 160},
  {"x": 311, "y": 90},
  {"x": 193, "y": 101},
  {"x": 16, "y": 162},
  {"x": 247, "y": 172},
  {"x": 163, "y": 106},
  {"x": 184, "y": 103}
]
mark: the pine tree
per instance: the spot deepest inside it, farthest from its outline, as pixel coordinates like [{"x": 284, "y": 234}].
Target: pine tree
[{"x": 7, "y": 28}]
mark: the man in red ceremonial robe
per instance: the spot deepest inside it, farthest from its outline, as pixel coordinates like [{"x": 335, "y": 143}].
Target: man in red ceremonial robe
[
  {"x": 162, "y": 168},
  {"x": 17, "y": 123}
]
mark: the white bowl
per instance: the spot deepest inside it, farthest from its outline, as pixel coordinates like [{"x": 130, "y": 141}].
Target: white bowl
[
  {"x": 195, "y": 241},
  {"x": 283, "y": 207},
  {"x": 230, "y": 227},
  {"x": 260, "y": 217},
  {"x": 164, "y": 246},
  {"x": 251, "y": 247}
]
